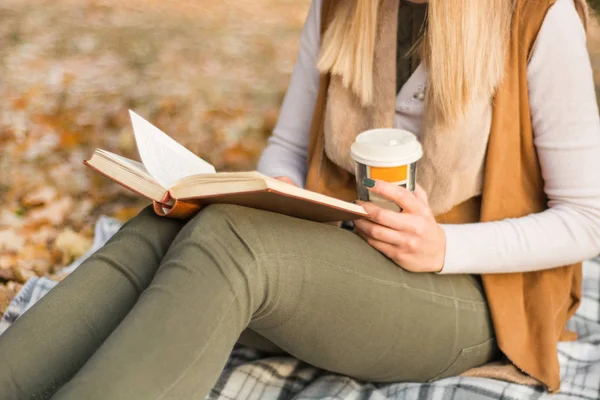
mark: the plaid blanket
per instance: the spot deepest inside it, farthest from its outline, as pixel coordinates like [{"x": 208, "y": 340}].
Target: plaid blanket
[{"x": 250, "y": 374}]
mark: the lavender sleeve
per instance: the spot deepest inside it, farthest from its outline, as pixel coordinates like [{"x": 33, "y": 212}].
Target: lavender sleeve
[{"x": 286, "y": 151}]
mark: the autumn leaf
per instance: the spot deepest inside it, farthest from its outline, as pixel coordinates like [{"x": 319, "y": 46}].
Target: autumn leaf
[
  {"x": 40, "y": 196},
  {"x": 71, "y": 245},
  {"x": 54, "y": 213},
  {"x": 11, "y": 241}
]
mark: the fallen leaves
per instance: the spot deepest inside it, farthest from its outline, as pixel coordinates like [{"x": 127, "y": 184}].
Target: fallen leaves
[
  {"x": 11, "y": 241},
  {"x": 7, "y": 293},
  {"x": 53, "y": 213},
  {"x": 210, "y": 74},
  {"x": 71, "y": 245},
  {"x": 41, "y": 196}
]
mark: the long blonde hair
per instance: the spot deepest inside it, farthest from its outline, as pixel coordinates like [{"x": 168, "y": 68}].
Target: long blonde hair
[{"x": 463, "y": 47}]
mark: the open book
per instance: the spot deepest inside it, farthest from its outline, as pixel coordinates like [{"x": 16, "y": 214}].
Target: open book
[{"x": 179, "y": 183}]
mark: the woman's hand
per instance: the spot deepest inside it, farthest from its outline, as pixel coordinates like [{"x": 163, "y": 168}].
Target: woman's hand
[
  {"x": 285, "y": 179},
  {"x": 412, "y": 238}
]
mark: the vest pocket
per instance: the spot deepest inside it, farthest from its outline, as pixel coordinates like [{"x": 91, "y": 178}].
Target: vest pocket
[{"x": 470, "y": 357}]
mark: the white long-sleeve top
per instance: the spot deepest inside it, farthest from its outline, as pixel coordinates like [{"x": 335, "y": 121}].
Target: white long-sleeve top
[{"x": 566, "y": 128}]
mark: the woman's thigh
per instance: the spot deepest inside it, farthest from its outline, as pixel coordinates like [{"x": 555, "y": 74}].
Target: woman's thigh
[
  {"x": 252, "y": 339},
  {"x": 332, "y": 300}
]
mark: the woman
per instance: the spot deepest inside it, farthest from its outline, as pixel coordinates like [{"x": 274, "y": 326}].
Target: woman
[{"x": 475, "y": 269}]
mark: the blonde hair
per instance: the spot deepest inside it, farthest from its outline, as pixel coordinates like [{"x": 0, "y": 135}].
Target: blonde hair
[
  {"x": 464, "y": 48},
  {"x": 349, "y": 46}
]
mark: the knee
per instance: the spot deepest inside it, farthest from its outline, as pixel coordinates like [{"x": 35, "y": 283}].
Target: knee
[
  {"x": 221, "y": 211},
  {"x": 150, "y": 227},
  {"x": 226, "y": 210},
  {"x": 239, "y": 237},
  {"x": 221, "y": 237},
  {"x": 223, "y": 231},
  {"x": 225, "y": 222}
]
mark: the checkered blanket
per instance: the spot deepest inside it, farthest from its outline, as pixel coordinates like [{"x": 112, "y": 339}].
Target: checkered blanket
[{"x": 251, "y": 375}]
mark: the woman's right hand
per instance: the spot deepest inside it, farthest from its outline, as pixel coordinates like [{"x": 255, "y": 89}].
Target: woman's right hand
[{"x": 286, "y": 179}]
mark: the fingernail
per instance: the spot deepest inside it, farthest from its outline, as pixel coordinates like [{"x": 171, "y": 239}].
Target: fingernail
[{"x": 370, "y": 183}]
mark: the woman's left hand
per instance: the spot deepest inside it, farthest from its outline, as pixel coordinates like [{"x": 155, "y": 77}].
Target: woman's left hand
[{"x": 412, "y": 238}]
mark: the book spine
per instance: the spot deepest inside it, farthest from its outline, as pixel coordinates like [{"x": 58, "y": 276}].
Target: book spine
[{"x": 178, "y": 209}]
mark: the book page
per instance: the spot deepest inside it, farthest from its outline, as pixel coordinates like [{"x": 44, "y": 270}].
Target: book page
[
  {"x": 220, "y": 177},
  {"x": 165, "y": 159},
  {"x": 128, "y": 173},
  {"x": 132, "y": 165}
]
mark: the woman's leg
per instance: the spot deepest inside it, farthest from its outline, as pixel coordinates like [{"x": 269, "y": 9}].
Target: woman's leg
[
  {"x": 51, "y": 341},
  {"x": 318, "y": 292},
  {"x": 252, "y": 339}
]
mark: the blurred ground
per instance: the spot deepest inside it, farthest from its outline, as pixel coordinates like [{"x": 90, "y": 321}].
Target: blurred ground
[{"x": 210, "y": 73}]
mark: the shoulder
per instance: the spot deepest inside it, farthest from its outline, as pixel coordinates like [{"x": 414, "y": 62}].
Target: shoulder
[
  {"x": 559, "y": 69},
  {"x": 315, "y": 8},
  {"x": 529, "y": 7},
  {"x": 311, "y": 32},
  {"x": 556, "y": 13},
  {"x": 563, "y": 16},
  {"x": 535, "y": 21},
  {"x": 326, "y": 11},
  {"x": 317, "y": 15},
  {"x": 562, "y": 29}
]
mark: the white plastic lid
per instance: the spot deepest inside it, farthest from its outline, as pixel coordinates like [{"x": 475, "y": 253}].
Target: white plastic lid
[{"x": 386, "y": 148}]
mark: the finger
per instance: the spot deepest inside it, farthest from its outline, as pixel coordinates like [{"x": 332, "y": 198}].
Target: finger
[
  {"x": 286, "y": 180},
  {"x": 386, "y": 249},
  {"x": 421, "y": 195},
  {"x": 400, "y": 196},
  {"x": 398, "y": 221},
  {"x": 382, "y": 233}
]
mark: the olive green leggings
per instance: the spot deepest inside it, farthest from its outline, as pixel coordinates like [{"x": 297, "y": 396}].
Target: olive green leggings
[{"x": 155, "y": 313}]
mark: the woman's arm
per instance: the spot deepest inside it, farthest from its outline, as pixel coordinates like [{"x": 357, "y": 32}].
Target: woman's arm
[
  {"x": 285, "y": 154},
  {"x": 567, "y": 138}
]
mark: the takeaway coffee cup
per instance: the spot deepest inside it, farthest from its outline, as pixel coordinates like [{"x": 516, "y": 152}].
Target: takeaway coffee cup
[{"x": 390, "y": 155}]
